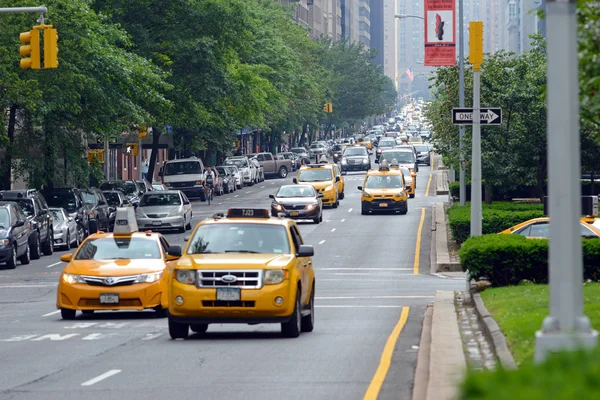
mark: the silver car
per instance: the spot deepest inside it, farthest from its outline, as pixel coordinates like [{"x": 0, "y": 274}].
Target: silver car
[
  {"x": 167, "y": 209},
  {"x": 65, "y": 229}
]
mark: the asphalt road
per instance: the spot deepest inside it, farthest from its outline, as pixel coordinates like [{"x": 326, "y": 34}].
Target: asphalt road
[{"x": 369, "y": 289}]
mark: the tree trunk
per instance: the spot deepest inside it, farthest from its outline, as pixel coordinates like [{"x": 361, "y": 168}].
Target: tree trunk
[
  {"x": 6, "y": 178},
  {"x": 155, "y": 139},
  {"x": 489, "y": 193}
]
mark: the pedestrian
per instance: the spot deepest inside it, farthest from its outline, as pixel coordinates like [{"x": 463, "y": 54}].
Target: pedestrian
[{"x": 145, "y": 167}]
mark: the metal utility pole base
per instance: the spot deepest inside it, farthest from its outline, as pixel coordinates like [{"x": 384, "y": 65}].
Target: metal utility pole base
[{"x": 549, "y": 339}]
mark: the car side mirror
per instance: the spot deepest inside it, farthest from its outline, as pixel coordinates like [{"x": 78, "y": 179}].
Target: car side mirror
[
  {"x": 320, "y": 195},
  {"x": 359, "y": 187},
  {"x": 186, "y": 202},
  {"x": 337, "y": 178},
  {"x": 413, "y": 174},
  {"x": 305, "y": 251},
  {"x": 71, "y": 219},
  {"x": 66, "y": 257},
  {"x": 173, "y": 253},
  {"x": 272, "y": 196},
  {"x": 295, "y": 180},
  {"x": 19, "y": 223}
]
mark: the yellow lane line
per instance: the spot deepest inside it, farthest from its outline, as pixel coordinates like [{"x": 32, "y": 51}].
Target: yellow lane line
[
  {"x": 386, "y": 358},
  {"x": 418, "y": 247},
  {"x": 430, "y": 175}
]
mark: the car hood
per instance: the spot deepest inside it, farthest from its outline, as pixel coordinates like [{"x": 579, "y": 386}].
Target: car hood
[
  {"x": 318, "y": 185},
  {"x": 59, "y": 226},
  {"x": 157, "y": 209},
  {"x": 295, "y": 200},
  {"x": 114, "y": 267},
  {"x": 231, "y": 261},
  {"x": 356, "y": 157},
  {"x": 4, "y": 233},
  {"x": 182, "y": 178}
]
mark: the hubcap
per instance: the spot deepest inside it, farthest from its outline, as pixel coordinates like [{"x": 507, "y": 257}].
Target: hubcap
[
  {"x": 38, "y": 245},
  {"x": 298, "y": 315},
  {"x": 14, "y": 255}
]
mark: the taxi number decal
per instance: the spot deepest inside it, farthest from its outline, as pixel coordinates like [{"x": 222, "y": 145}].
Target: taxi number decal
[
  {"x": 122, "y": 222},
  {"x": 248, "y": 213}
]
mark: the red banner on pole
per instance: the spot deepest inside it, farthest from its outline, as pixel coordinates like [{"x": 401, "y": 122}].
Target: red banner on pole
[{"x": 440, "y": 33}]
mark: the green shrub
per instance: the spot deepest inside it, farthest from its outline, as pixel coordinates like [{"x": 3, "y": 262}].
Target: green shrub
[
  {"x": 508, "y": 259},
  {"x": 496, "y": 217},
  {"x": 563, "y": 376}
]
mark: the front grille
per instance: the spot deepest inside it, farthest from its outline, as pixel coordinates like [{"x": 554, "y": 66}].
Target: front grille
[
  {"x": 384, "y": 196},
  {"x": 182, "y": 184},
  {"x": 377, "y": 202},
  {"x": 157, "y": 215},
  {"x": 110, "y": 280},
  {"x": 220, "y": 303},
  {"x": 295, "y": 207},
  {"x": 121, "y": 303},
  {"x": 354, "y": 162},
  {"x": 248, "y": 279}
]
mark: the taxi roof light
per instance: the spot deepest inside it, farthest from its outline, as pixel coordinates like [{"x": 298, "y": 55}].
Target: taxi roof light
[
  {"x": 125, "y": 222},
  {"x": 384, "y": 166},
  {"x": 315, "y": 165},
  {"x": 248, "y": 213}
]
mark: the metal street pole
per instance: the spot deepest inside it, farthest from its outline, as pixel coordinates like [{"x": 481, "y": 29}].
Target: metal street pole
[
  {"x": 140, "y": 166},
  {"x": 566, "y": 327},
  {"x": 461, "y": 102},
  {"x": 11, "y": 10},
  {"x": 476, "y": 58}
]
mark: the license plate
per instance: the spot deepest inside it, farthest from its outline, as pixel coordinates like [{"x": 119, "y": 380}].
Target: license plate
[
  {"x": 109, "y": 298},
  {"x": 294, "y": 214},
  {"x": 383, "y": 205},
  {"x": 157, "y": 223},
  {"x": 228, "y": 294}
]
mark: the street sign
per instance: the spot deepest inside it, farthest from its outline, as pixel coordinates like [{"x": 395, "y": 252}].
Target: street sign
[{"x": 487, "y": 116}]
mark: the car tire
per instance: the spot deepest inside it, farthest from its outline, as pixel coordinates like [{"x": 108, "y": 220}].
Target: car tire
[
  {"x": 79, "y": 234},
  {"x": 405, "y": 210},
  {"x": 26, "y": 257},
  {"x": 342, "y": 195},
  {"x": 412, "y": 196},
  {"x": 321, "y": 218},
  {"x": 363, "y": 210},
  {"x": 36, "y": 247},
  {"x": 199, "y": 328},
  {"x": 67, "y": 314},
  {"x": 283, "y": 172},
  {"x": 317, "y": 220},
  {"x": 292, "y": 328},
  {"x": 308, "y": 321},
  {"x": 68, "y": 242},
  {"x": 177, "y": 330},
  {"x": 48, "y": 246},
  {"x": 11, "y": 263},
  {"x": 202, "y": 196},
  {"x": 181, "y": 229},
  {"x": 189, "y": 224},
  {"x": 93, "y": 227}
]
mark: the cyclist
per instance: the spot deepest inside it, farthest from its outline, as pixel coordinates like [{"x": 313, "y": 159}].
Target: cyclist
[{"x": 209, "y": 181}]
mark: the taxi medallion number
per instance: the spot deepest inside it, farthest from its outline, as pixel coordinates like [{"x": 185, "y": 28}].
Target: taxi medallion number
[
  {"x": 157, "y": 223},
  {"x": 294, "y": 214},
  {"x": 228, "y": 294},
  {"x": 109, "y": 298}
]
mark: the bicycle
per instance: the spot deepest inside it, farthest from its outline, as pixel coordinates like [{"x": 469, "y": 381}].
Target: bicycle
[{"x": 209, "y": 193}]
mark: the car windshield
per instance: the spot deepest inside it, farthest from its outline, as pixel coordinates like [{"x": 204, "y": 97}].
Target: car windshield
[
  {"x": 422, "y": 148},
  {"x": 356, "y": 151},
  {"x": 316, "y": 146},
  {"x": 112, "y": 198},
  {"x": 414, "y": 139},
  {"x": 110, "y": 248},
  {"x": 63, "y": 200},
  {"x": 296, "y": 191},
  {"x": 89, "y": 198},
  {"x": 158, "y": 187},
  {"x": 4, "y": 220},
  {"x": 221, "y": 171},
  {"x": 162, "y": 199},
  {"x": 57, "y": 215},
  {"x": 315, "y": 175},
  {"x": 129, "y": 188},
  {"x": 183, "y": 168},
  {"x": 400, "y": 156},
  {"x": 27, "y": 206},
  {"x": 298, "y": 150},
  {"x": 406, "y": 173},
  {"x": 239, "y": 238},
  {"x": 238, "y": 162},
  {"x": 383, "y": 182},
  {"x": 387, "y": 143}
]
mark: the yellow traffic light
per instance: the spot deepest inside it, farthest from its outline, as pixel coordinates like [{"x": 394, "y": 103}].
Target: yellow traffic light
[
  {"x": 30, "y": 51},
  {"x": 95, "y": 155},
  {"x": 50, "y": 47},
  {"x": 326, "y": 107},
  {"x": 143, "y": 132},
  {"x": 131, "y": 149},
  {"x": 330, "y": 104},
  {"x": 91, "y": 155},
  {"x": 476, "y": 43}
]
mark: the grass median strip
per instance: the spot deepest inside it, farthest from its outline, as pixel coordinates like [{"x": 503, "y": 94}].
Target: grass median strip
[{"x": 520, "y": 311}]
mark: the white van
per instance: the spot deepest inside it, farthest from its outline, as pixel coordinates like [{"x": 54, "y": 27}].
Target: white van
[{"x": 186, "y": 174}]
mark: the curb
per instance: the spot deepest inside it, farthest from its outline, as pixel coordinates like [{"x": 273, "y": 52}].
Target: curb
[
  {"x": 423, "y": 357},
  {"x": 494, "y": 334},
  {"x": 432, "y": 250}
]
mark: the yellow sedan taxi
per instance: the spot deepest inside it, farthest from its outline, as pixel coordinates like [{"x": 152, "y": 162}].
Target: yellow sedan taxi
[
  {"x": 539, "y": 228},
  {"x": 122, "y": 270},
  {"x": 323, "y": 178},
  {"x": 245, "y": 267},
  {"x": 365, "y": 142},
  {"x": 384, "y": 190}
]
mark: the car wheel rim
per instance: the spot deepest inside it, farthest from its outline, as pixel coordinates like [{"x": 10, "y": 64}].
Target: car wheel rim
[
  {"x": 312, "y": 307},
  {"x": 14, "y": 255},
  {"x": 298, "y": 315},
  {"x": 38, "y": 245}
]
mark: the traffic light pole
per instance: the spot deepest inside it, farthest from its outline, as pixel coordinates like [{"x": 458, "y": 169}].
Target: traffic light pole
[{"x": 11, "y": 10}]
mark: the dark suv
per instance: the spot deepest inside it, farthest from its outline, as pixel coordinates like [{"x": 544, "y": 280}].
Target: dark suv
[
  {"x": 72, "y": 201},
  {"x": 35, "y": 208},
  {"x": 14, "y": 235},
  {"x": 99, "y": 212},
  {"x": 131, "y": 189}
]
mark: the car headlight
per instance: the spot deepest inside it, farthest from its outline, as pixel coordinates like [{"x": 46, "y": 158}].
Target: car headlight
[
  {"x": 71, "y": 279},
  {"x": 92, "y": 214},
  {"x": 4, "y": 242},
  {"x": 328, "y": 188},
  {"x": 400, "y": 193},
  {"x": 344, "y": 161},
  {"x": 149, "y": 278},
  {"x": 311, "y": 206},
  {"x": 277, "y": 206},
  {"x": 365, "y": 160},
  {"x": 336, "y": 155},
  {"x": 198, "y": 183},
  {"x": 273, "y": 277},
  {"x": 186, "y": 276},
  {"x": 139, "y": 213},
  {"x": 366, "y": 195},
  {"x": 175, "y": 212}
]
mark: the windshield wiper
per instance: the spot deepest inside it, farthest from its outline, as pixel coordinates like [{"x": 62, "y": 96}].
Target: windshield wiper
[{"x": 241, "y": 251}]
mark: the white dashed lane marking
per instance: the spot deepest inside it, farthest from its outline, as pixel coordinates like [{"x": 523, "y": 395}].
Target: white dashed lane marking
[{"x": 102, "y": 377}]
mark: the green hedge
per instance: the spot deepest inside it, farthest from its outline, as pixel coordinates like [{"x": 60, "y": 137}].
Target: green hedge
[
  {"x": 496, "y": 217},
  {"x": 520, "y": 192},
  {"x": 508, "y": 259},
  {"x": 563, "y": 376}
]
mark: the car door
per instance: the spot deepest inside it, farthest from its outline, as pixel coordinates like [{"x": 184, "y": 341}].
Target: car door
[
  {"x": 42, "y": 218},
  {"x": 302, "y": 263},
  {"x": 338, "y": 174},
  {"x": 187, "y": 207},
  {"x": 102, "y": 209},
  {"x": 21, "y": 232}
]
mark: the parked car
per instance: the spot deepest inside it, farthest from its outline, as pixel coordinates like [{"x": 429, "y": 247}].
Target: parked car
[
  {"x": 131, "y": 189},
  {"x": 272, "y": 166},
  {"x": 228, "y": 178},
  {"x": 99, "y": 212},
  {"x": 186, "y": 174},
  {"x": 115, "y": 199},
  {"x": 302, "y": 154},
  {"x": 168, "y": 209},
  {"x": 35, "y": 208},
  {"x": 145, "y": 185},
  {"x": 235, "y": 172},
  {"x": 14, "y": 235},
  {"x": 158, "y": 186},
  {"x": 298, "y": 202},
  {"x": 66, "y": 233},
  {"x": 288, "y": 155},
  {"x": 247, "y": 170},
  {"x": 72, "y": 201}
]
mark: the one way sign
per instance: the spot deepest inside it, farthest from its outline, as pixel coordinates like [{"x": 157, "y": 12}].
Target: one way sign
[{"x": 487, "y": 116}]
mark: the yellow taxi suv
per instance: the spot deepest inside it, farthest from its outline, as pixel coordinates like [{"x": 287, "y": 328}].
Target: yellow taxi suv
[
  {"x": 122, "y": 270},
  {"x": 538, "y": 228},
  {"x": 245, "y": 267},
  {"x": 384, "y": 190},
  {"x": 410, "y": 179},
  {"x": 323, "y": 178}
]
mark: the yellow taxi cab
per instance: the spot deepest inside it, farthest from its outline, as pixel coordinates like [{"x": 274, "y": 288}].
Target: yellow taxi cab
[
  {"x": 340, "y": 180},
  {"x": 122, "y": 270},
  {"x": 325, "y": 181},
  {"x": 410, "y": 178},
  {"x": 539, "y": 228},
  {"x": 365, "y": 142},
  {"x": 384, "y": 190},
  {"x": 245, "y": 267}
]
